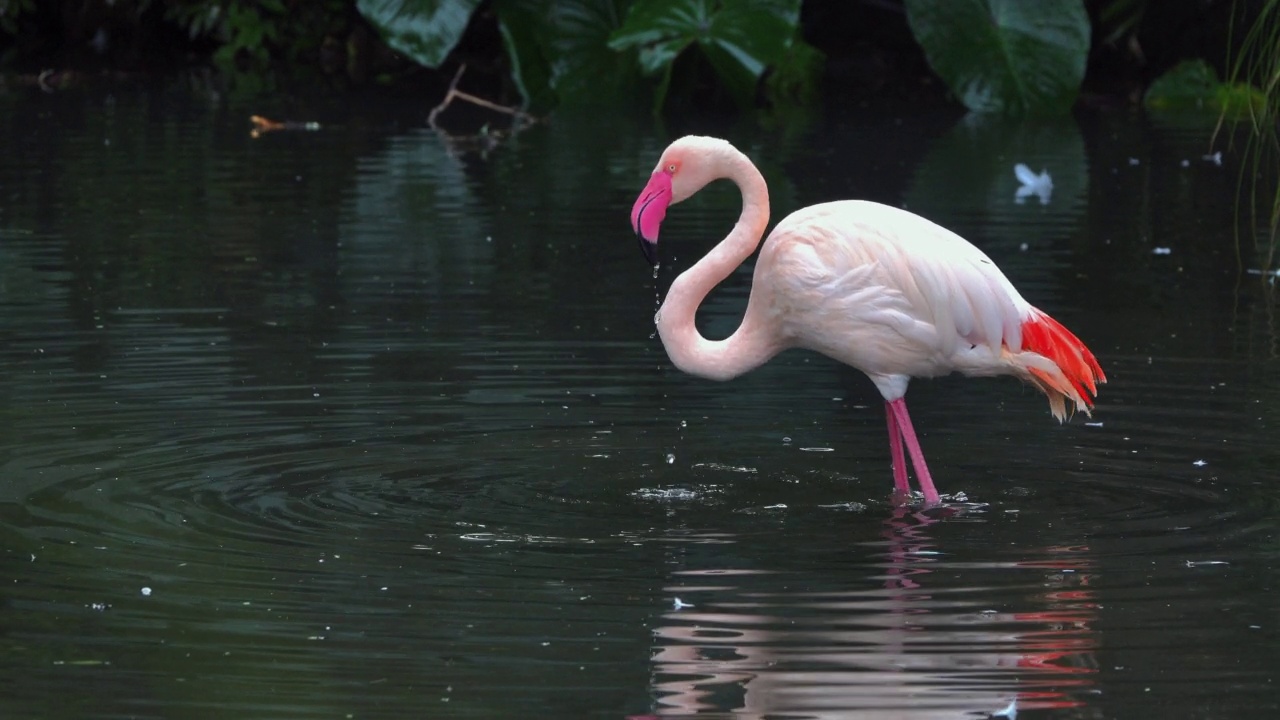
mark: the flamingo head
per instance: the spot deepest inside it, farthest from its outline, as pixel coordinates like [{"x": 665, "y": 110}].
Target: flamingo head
[
  {"x": 649, "y": 211},
  {"x": 686, "y": 166}
]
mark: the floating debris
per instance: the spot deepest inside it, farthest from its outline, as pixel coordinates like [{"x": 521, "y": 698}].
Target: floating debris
[
  {"x": 679, "y": 604},
  {"x": 1199, "y": 463},
  {"x": 263, "y": 125},
  {"x": 1215, "y": 158},
  {"x": 1271, "y": 275},
  {"x": 1162, "y": 251},
  {"x": 1032, "y": 184},
  {"x": 1199, "y": 563}
]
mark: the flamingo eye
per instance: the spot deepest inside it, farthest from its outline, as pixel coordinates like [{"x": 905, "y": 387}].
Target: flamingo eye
[{"x": 671, "y": 168}]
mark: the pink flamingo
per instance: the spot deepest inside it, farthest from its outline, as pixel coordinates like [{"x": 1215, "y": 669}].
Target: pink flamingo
[{"x": 875, "y": 287}]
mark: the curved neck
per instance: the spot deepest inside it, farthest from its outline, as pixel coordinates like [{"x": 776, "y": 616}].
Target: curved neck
[{"x": 751, "y": 344}]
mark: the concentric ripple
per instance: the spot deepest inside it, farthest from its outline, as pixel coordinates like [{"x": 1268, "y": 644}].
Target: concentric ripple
[{"x": 367, "y": 423}]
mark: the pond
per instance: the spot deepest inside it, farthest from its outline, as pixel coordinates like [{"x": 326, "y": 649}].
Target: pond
[{"x": 367, "y": 422}]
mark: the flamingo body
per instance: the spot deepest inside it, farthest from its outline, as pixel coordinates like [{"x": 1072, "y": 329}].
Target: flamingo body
[{"x": 875, "y": 287}]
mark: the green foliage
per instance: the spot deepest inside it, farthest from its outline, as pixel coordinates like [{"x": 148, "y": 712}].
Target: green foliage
[
  {"x": 199, "y": 19},
  {"x": 1193, "y": 85},
  {"x": 559, "y": 49},
  {"x": 250, "y": 27},
  {"x": 9, "y": 12},
  {"x": 254, "y": 32},
  {"x": 424, "y": 30},
  {"x": 795, "y": 75},
  {"x": 1009, "y": 56},
  {"x": 584, "y": 51},
  {"x": 1258, "y": 60},
  {"x": 524, "y": 38},
  {"x": 740, "y": 39}
]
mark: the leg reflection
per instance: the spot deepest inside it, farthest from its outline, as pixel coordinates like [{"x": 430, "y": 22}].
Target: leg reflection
[{"x": 902, "y": 630}]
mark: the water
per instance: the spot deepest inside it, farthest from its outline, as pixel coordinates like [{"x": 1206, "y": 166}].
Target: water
[{"x": 363, "y": 423}]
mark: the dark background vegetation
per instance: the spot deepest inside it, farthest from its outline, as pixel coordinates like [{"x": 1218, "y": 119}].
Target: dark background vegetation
[{"x": 868, "y": 46}]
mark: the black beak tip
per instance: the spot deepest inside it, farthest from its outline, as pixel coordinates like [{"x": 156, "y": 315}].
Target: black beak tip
[{"x": 648, "y": 249}]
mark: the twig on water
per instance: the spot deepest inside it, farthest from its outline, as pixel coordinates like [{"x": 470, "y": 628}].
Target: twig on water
[{"x": 520, "y": 117}]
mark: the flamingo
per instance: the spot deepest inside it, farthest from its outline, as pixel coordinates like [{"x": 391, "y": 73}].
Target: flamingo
[{"x": 873, "y": 286}]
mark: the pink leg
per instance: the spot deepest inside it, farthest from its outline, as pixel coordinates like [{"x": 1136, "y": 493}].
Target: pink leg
[
  {"x": 899, "y": 409},
  {"x": 900, "y": 484}
]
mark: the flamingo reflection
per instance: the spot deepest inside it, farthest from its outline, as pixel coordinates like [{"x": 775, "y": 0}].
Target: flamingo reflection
[{"x": 893, "y": 648}]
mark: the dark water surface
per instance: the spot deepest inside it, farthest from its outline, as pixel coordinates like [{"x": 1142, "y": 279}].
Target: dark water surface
[{"x": 359, "y": 423}]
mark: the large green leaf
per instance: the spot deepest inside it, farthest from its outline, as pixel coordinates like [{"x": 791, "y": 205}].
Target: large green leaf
[
  {"x": 582, "y": 63},
  {"x": 740, "y": 38},
  {"x": 425, "y": 30},
  {"x": 559, "y": 48},
  {"x": 521, "y": 23},
  {"x": 1015, "y": 56}
]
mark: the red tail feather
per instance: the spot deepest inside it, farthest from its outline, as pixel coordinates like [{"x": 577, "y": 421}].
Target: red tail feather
[{"x": 1045, "y": 336}]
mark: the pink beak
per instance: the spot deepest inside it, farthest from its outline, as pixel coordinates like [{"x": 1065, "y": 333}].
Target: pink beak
[{"x": 649, "y": 211}]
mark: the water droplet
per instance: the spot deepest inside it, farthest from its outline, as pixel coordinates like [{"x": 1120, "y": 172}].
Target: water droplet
[
  {"x": 671, "y": 458},
  {"x": 655, "y": 270},
  {"x": 684, "y": 423}
]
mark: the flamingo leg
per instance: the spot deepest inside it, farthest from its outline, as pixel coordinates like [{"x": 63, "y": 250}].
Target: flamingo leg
[
  {"x": 899, "y": 410},
  {"x": 900, "y": 484}
]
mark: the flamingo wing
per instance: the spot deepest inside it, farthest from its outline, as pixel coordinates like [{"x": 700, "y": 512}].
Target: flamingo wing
[
  {"x": 897, "y": 296},
  {"x": 859, "y": 264}
]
